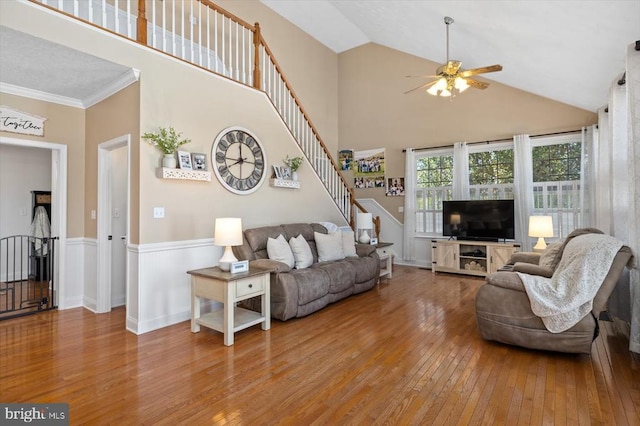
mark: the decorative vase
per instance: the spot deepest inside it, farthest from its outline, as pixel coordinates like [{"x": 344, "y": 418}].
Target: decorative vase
[
  {"x": 294, "y": 176},
  {"x": 169, "y": 161}
]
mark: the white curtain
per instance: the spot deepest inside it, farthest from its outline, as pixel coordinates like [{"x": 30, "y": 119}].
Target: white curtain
[
  {"x": 409, "y": 247},
  {"x": 622, "y": 139},
  {"x": 523, "y": 188},
  {"x": 460, "y": 171},
  {"x": 602, "y": 190},
  {"x": 633, "y": 130},
  {"x": 587, "y": 176}
]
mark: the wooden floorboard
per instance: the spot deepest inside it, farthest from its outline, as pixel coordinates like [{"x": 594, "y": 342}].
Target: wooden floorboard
[{"x": 407, "y": 352}]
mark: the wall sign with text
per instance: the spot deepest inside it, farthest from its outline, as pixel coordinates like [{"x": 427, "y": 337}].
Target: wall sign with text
[{"x": 14, "y": 121}]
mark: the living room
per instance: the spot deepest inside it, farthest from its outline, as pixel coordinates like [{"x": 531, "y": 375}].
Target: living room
[{"x": 332, "y": 91}]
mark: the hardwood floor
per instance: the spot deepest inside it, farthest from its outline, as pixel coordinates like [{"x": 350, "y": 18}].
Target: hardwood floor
[{"x": 407, "y": 352}]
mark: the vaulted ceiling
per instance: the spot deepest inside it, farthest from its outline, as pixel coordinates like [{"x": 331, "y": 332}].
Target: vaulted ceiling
[{"x": 566, "y": 50}]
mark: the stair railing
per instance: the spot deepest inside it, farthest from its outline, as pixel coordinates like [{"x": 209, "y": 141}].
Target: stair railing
[{"x": 203, "y": 34}]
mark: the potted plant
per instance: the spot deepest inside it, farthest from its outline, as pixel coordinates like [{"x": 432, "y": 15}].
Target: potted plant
[
  {"x": 294, "y": 164},
  {"x": 168, "y": 142}
]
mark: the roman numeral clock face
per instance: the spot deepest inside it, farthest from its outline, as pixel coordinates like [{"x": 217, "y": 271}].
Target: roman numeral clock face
[{"x": 239, "y": 160}]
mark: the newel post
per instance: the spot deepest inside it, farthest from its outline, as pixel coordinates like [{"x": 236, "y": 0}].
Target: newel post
[
  {"x": 256, "y": 57},
  {"x": 142, "y": 23}
]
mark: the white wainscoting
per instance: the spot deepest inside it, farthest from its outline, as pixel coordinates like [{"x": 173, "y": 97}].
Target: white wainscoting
[
  {"x": 80, "y": 257},
  {"x": 159, "y": 273}
]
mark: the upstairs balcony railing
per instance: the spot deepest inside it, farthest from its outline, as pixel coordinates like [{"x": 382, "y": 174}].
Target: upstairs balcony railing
[{"x": 205, "y": 35}]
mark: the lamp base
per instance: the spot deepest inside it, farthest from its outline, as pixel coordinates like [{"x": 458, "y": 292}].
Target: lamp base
[
  {"x": 541, "y": 245},
  {"x": 227, "y": 259},
  {"x": 364, "y": 237}
]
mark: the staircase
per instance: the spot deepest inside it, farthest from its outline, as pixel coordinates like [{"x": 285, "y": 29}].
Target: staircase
[{"x": 226, "y": 45}]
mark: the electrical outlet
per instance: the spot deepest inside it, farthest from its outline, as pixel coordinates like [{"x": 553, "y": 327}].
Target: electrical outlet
[
  {"x": 158, "y": 212},
  {"x": 400, "y": 209},
  {"x": 116, "y": 213},
  {"x": 93, "y": 214}
]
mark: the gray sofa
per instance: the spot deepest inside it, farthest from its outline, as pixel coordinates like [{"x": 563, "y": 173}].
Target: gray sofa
[
  {"x": 504, "y": 313},
  {"x": 300, "y": 292}
]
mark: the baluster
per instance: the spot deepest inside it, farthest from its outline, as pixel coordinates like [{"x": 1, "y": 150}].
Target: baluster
[
  {"x": 208, "y": 38},
  {"x": 231, "y": 69},
  {"x": 237, "y": 52},
  {"x": 173, "y": 27},
  {"x": 129, "y": 26},
  {"x": 154, "y": 32},
  {"x": 91, "y": 13},
  {"x": 215, "y": 38},
  {"x": 76, "y": 10},
  {"x": 222, "y": 57},
  {"x": 164, "y": 27},
  {"x": 182, "y": 37},
  {"x": 200, "y": 31},
  {"x": 104, "y": 14},
  {"x": 116, "y": 20}
]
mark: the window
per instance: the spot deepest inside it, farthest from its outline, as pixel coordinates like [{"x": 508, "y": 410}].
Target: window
[
  {"x": 556, "y": 181},
  {"x": 434, "y": 184},
  {"x": 491, "y": 172}
]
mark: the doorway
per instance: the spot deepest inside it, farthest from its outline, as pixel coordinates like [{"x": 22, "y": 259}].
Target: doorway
[
  {"x": 58, "y": 212},
  {"x": 113, "y": 222}
]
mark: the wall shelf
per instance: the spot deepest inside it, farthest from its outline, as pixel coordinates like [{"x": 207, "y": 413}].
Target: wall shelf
[
  {"x": 167, "y": 173},
  {"x": 285, "y": 183}
]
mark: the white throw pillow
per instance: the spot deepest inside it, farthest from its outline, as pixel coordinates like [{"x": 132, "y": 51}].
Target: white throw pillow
[
  {"x": 329, "y": 246},
  {"x": 301, "y": 252},
  {"x": 278, "y": 249},
  {"x": 349, "y": 243}
]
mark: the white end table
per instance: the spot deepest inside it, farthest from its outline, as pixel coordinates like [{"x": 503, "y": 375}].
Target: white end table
[{"x": 227, "y": 288}]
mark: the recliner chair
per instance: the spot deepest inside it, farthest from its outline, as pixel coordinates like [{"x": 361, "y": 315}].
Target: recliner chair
[{"x": 503, "y": 309}]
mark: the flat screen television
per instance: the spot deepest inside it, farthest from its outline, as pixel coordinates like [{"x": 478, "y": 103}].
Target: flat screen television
[{"x": 481, "y": 220}]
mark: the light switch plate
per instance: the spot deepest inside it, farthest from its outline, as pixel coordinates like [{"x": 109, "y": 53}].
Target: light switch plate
[{"x": 158, "y": 212}]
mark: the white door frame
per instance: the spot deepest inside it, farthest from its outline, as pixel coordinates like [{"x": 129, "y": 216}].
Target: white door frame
[
  {"x": 103, "y": 294},
  {"x": 59, "y": 207}
]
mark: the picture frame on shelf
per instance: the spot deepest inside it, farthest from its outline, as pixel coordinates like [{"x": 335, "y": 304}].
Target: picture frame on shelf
[
  {"x": 184, "y": 160},
  {"x": 373, "y": 241},
  {"x": 286, "y": 173},
  {"x": 277, "y": 171},
  {"x": 199, "y": 161}
]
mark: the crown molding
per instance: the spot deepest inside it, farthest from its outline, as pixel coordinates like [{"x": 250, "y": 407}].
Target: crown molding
[
  {"x": 129, "y": 77},
  {"x": 41, "y": 96}
]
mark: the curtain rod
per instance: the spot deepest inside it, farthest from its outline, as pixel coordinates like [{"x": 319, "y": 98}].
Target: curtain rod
[{"x": 498, "y": 140}]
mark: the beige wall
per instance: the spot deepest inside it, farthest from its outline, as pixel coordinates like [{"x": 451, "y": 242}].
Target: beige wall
[
  {"x": 115, "y": 116},
  {"x": 375, "y": 112},
  {"x": 201, "y": 105},
  {"x": 64, "y": 125}
]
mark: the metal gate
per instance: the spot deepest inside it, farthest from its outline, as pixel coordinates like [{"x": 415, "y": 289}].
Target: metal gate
[{"x": 27, "y": 279}]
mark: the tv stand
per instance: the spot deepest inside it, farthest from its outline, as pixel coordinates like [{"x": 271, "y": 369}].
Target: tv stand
[{"x": 470, "y": 257}]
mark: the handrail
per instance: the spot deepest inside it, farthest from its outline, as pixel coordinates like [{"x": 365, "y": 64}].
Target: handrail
[{"x": 231, "y": 53}]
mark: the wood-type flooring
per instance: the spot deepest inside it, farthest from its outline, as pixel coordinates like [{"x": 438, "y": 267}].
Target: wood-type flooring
[{"x": 408, "y": 352}]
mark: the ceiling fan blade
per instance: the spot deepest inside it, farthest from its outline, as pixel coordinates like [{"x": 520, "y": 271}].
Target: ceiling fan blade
[
  {"x": 476, "y": 84},
  {"x": 431, "y": 83},
  {"x": 422, "y": 76},
  {"x": 483, "y": 70}
]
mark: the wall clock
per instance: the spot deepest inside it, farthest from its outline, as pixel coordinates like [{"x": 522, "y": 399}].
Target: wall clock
[{"x": 239, "y": 161}]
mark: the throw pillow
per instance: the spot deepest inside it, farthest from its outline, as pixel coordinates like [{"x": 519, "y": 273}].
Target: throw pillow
[
  {"x": 301, "y": 252},
  {"x": 329, "y": 246},
  {"x": 349, "y": 243},
  {"x": 278, "y": 249},
  {"x": 549, "y": 257}
]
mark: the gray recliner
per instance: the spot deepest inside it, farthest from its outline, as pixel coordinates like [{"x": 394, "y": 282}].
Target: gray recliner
[{"x": 503, "y": 309}]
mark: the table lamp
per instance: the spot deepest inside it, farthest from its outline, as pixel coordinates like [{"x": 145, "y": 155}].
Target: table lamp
[
  {"x": 365, "y": 222},
  {"x": 228, "y": 233},
  {"x": 540, "y": 227}
]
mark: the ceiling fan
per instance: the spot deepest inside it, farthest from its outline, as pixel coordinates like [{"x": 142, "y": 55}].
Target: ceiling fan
[{"x": 450, "y": 79}]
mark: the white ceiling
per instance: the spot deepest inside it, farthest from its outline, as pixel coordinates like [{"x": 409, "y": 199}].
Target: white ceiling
[
  {"x": 567, "y": 50},
  {"x": 34, "y": 67}
]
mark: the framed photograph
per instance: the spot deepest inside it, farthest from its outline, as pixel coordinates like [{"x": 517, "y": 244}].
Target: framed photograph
[
  {"x": 184, "y": 160},
  {"x": 373, "y": 241},
  {"x": 286, "y": 172},
  {"x": 199, "y": 161},
  {"x": 278, "y": 172}
]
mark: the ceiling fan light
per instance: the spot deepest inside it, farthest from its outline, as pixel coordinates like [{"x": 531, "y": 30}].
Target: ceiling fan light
[
  {"x": 433, "y": 90},
  {"x": 445, "y": 93},
  {"x": 461, "y": 84},
  {"x": 438, "y": 87}
]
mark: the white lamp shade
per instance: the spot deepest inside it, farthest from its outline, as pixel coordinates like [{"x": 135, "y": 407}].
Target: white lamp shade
[
  {"x": 365, "y": 221},
  {"x": 228, "y": 231},
  {"x": 454, "y": 219},
  {"x": 540, "y": 226}
]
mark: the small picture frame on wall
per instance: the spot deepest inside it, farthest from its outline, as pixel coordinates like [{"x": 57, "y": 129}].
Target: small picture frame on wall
[
  {"x": 184, "y": 160},
  {"x": 286, "y": 173},
  {"x": 199, "y": 161},
  {"x": 277, "y": 171}
]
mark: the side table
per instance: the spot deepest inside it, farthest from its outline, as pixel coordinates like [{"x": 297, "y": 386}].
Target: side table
[
  {"x": 386, "y": 255},
  {"x": 227, "y": 288}
]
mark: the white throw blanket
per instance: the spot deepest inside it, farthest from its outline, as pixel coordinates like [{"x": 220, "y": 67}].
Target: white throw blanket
[{"x": 567, "y": 297}]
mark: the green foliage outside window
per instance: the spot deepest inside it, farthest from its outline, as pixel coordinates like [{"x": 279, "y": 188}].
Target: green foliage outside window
[
  {"x": 435, "y": 171},
  {"x": 491, "y": 167},
  {"x": 560, "y": 162}
]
